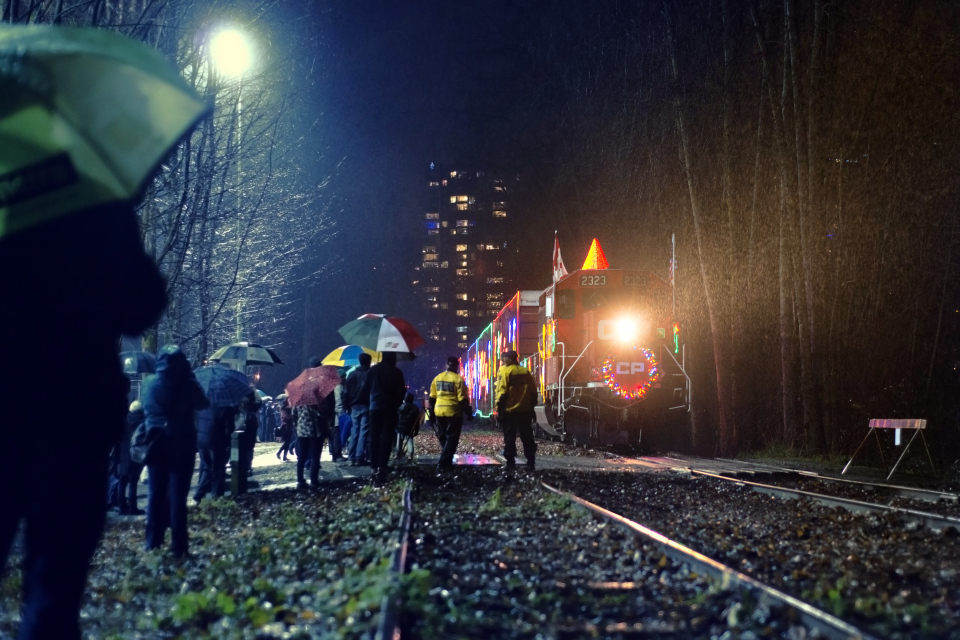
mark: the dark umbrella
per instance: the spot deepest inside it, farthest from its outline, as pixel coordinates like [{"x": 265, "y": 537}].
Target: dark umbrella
[
  {"x": 223, "y": 386},
  {"x": 137, "y": 363},
  {"x": 312, "y": 385},
  {"x": 245, "y": 353}
]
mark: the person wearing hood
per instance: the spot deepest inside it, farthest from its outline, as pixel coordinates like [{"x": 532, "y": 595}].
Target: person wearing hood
[
  {"x": 128, "y": 470},
  {"x": 81, "y": 280},
  {"x": 386, "y": 388},
  {"x": 171, "y": 399}
]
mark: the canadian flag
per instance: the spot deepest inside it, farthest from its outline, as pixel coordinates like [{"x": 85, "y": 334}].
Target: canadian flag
[{"x": 558, "y": 269}]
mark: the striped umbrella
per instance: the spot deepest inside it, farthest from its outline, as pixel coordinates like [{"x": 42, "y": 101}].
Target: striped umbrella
[
  {"x": 348, "y": 356},
  {"x": 382, "y": 333},
  {"x": 245, "y": 353}
]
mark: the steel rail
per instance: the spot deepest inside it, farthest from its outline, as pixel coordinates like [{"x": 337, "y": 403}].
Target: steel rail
[
  {"x": 389, "y": 627},
  {"x": 829, "y": 625},
  {"x": 927, "y": 495},
  {"x": 930, "y": 520}
]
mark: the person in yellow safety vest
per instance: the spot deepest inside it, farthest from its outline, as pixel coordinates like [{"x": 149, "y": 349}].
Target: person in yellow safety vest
[
  {"x": 516, "y": 395},
  {"x": 448, "y": 404}
]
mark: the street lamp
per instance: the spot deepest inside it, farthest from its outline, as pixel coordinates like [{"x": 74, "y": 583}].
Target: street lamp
[
  {"x": 231, "y": 52},
  {"x": 232, "y": 56}
]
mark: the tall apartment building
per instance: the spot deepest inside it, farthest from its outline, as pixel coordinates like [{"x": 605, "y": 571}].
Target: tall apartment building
[{"x": 464, "y": 275}]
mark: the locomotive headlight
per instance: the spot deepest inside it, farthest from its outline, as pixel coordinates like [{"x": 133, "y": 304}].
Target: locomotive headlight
[{"x": 626, "y": 330}]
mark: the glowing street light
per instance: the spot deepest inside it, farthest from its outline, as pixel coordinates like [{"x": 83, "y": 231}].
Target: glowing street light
[{"x": 231, "y": 52}]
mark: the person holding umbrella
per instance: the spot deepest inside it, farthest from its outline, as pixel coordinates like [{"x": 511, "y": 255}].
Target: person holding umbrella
[
  {"x": 224, "y": 388},
  {"x": 74, "y": 267},
  {"x": 311, "y": 396}
]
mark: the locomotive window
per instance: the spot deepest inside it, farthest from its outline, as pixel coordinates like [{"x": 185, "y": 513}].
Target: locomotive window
[
  {"x": 566, "y": 304},
  {"x": 593, "y": 300}
]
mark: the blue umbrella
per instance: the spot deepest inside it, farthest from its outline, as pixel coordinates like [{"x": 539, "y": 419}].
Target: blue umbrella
[
  {"x": 224, "y": 387},
  {"x": 137, "y": 363}
]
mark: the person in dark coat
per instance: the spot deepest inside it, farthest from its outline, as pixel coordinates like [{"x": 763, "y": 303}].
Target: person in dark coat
[
  {"x": 387, "y": 388},
  {"x": 128, "y": 470},
  {"x": 356, "y": 400},
  {"x": 214, "y": 426},
  {"x": 171, "y": 399},
  {"x": 285, "y": 430},
  {"x": 247, "y": 423},
  {"x": 81, "y": 279},
  {"x": 408, "y": 426}
]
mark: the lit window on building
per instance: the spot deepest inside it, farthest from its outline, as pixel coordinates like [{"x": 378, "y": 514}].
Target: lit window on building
[
  {"x": 463, "y": 199},
  {"x": 444, "y": 223},
  {"x": 443, "y": 182},
  {"x": 462, "y": 296},
  {"x": 499, "y": 263},
  {"x": 463, "y": 223},
  {"x": 481, "y": 247},
  {"x": 430, "y": 289},
  {"x": 461, "y": 329},
  {"x": 432, "y": 225},
  {"x": 494, "y": 280},
  {"x": 453, "y": 174},
  {"x": 444, "y": 264},
  {"x": 463, "y": 256},
  {"x": 463, "y": 207},
  {"x": 494, "y": 296},
  {"x": 434, "y": 183},
  {"x": 472, "y": 200},
  {"x": 453, "y": 199},
  {"x": 462, "y": 232},
  {"x": 429, "y": 265},
  {"x": 461, "y": 247},
  {"x": 463, "y": 263},
  {"x": 463, "y": 272},
  {"x": 434, "y": 306},
  {"x": 492, "y": 247},
  {"x": 429, "y": 248},
  {"x": 433, "y": 216},
  {"x": 463, "y": 313},
  {"x": 431, "y": 298},
  {"x": 499, "y": 205},
  {"x": 453, "y": 232},
  {"x": 430, "y": 256},
  {"x": 433, "y": 232},
  {"x": 437, "y": 338},
  {"x": 494, "y": 305},
  {"x": 416, "y": 282},
  {"x": 463, "y": 336},
  {"x": 499, "y": 213},
  {"x": 499, "y": 187},
  {"x": 463, "y": 345}
]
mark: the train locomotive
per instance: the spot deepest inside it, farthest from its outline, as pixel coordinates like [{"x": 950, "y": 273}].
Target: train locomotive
[{"x": 605, "y": 350}]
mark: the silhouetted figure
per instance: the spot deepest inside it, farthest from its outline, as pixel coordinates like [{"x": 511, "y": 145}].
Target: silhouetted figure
[
  {"x": 171, "y": 399},
  {"x": 69, "y": 288}
]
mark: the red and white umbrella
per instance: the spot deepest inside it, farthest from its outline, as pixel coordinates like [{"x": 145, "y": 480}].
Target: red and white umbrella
[{"x": 382, "y": 333}]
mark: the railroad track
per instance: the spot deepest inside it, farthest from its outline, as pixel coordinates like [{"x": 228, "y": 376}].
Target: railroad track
[
  {"x": 604, "y": 576},
  {"x": 750, "y": 475}
]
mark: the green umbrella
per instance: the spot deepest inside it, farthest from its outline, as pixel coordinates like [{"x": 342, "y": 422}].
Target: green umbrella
[{"x": 86, "y": 117}]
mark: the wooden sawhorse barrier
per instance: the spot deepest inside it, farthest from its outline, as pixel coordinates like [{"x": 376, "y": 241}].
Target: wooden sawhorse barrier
[{"x": 917, "y": 426}]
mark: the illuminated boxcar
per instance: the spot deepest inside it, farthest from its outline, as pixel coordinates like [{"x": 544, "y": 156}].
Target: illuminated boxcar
[{"x": 515, "y": 327}]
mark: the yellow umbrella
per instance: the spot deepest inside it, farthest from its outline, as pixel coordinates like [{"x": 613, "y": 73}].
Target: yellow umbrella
[{"x": 347, "y": 356}]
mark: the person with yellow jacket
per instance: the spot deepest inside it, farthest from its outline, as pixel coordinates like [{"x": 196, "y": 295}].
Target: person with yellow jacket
[
  {"x": 516, "y": 395},
  {"x": 448, "y": 403}
]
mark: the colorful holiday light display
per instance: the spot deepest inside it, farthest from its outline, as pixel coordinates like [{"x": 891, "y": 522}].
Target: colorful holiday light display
[{"x": 608, "y": 370}]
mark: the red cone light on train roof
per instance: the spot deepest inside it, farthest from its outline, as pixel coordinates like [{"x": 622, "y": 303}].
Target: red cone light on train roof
[{"x": 595, "y": 258}]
